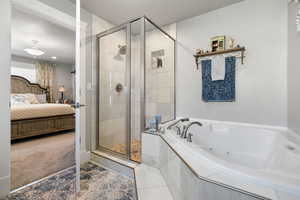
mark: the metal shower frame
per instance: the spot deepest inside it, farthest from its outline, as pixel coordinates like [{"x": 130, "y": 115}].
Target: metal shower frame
[{"x": 127, "y": 26}]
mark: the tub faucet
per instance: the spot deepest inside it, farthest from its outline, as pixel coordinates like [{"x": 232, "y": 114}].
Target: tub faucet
[
  {"x": 189, "y": 126},
  {"x": 183, "y": 133},
  {"x": 189, "y": 137},
  {"x": 177, "y": 129},
  {"x": 180, "y": 120}
]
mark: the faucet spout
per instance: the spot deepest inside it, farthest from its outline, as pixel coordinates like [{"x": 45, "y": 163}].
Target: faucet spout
[{"x": 190, "y": 125}]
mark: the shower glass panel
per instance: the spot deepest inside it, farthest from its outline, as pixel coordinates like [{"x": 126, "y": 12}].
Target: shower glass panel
[
  {"x": 114, "y": 92},
  {"x": 136, "y": 70},
  {"x": 159, "y": 74},
  {"x": 136, "y": 39}
]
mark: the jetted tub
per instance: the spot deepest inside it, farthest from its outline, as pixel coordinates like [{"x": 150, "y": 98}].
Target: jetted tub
[{"x": 268, "y": 157}]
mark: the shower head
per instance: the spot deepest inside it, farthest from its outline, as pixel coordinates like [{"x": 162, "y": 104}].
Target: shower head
[
  {"x": 122, "y": 49},
  {"x": 120, "y": 53}
]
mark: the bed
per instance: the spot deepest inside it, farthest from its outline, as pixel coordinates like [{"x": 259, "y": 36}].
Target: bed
[{"x": 33, "y": 119}]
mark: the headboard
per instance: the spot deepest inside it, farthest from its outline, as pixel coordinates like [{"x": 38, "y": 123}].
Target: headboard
[{"x": 20, "y": 85}]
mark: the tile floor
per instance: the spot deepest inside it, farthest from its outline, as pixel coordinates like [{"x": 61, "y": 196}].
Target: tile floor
[
  {"x": 149, "y": 181},
  {"x": 150, "y": 184},
  {"x": 96, "y": 183}
]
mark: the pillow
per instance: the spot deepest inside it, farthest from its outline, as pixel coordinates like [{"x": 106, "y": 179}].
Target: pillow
[
  {"x": 41, "y": 98},
  {"x": 31, "y": 98},
  {"x": 17, "y": 99},
  {"x": 23, "y": 99}
]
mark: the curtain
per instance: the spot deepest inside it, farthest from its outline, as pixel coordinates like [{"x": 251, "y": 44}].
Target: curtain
[{"x": 45, "y": 76}]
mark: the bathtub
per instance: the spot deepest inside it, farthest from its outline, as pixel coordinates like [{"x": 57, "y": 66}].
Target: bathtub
[{"x": 267, "y": 157}]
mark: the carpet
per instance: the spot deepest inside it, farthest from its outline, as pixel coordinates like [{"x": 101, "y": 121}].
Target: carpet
[
  {"x": 96, "y": 183},
  {"x": 36, "y": 158}
]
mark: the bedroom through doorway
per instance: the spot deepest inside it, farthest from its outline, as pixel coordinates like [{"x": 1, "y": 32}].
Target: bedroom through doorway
[{"x": 43, "y": 96}]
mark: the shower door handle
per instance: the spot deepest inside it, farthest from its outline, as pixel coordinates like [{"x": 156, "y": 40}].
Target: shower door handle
[{"x": 77, "y": 105}]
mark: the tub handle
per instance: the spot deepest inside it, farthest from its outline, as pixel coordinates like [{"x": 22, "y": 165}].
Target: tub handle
[
  {"x": 183, "y": 133},
  {"x": 177, "y": 130},
  {"x": 189, "y": 137}
]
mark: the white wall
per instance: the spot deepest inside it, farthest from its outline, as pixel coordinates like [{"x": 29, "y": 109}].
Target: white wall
[
  {"x": 258, "y": 25},
  {"x": 5, "y": 50},
  {"x": 23, "y": 67},
  {"x": 293, "y": 71}
]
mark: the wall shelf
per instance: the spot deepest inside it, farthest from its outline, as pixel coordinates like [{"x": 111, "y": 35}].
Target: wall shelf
[{"x": 238, "y": 49}]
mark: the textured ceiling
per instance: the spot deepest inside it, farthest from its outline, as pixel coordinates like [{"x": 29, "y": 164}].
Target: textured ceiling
[
  {"x": 60, "y": 42},
  {"x": 162, "y": 12},
  {"x": 53, "y": 39}
]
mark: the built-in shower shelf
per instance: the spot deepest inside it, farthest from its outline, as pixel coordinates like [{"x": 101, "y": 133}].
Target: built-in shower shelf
[{"x": 238, "y": 49}]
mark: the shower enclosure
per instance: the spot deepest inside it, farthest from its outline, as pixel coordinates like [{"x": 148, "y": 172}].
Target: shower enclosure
[{"x": 136, "y": 81}]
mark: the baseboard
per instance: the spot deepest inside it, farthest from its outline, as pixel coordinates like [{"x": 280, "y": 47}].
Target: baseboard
[
  {"x": 85, "y": 156},
  {"x": 4, "y": 186}
]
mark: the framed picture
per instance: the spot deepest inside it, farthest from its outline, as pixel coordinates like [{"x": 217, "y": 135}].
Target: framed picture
[{"x": 218, "y": 43}]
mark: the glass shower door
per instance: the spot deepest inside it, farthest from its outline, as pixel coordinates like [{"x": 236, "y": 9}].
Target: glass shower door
[{"x": 114, "y": 91}]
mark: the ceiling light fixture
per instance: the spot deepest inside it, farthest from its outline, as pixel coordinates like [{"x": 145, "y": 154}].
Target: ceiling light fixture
[
  {"x": 54, "y": 57},
  {"x": 34, "y": 50}
]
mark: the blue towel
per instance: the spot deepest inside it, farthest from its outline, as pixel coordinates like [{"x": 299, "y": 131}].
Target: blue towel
[{"x": 221, "y": 90}]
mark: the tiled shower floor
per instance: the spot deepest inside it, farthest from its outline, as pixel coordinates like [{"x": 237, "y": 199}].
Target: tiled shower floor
[
  {"x": 96, "y": 183},
  {"x": 135, "y": 150}
]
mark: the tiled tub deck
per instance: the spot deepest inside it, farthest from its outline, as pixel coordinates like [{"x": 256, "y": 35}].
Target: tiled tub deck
[{"x": 188, "y": 181}]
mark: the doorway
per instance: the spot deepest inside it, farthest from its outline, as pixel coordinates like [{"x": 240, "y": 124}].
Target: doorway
[{"x": 45, "y": 65}]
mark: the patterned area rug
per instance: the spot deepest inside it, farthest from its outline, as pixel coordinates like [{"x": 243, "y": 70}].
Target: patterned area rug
[
  {"x": 59, "y": 187},
  {"x": 96, "y": 183}
]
